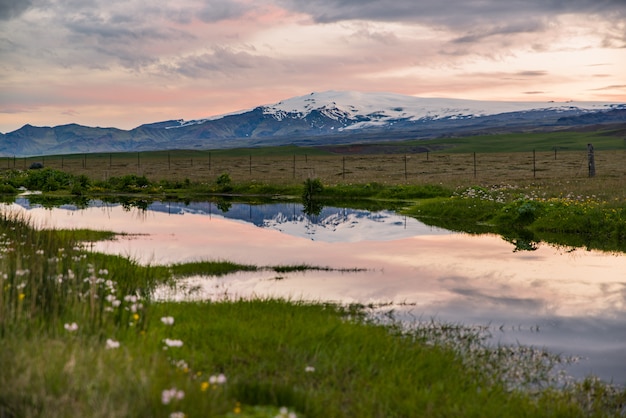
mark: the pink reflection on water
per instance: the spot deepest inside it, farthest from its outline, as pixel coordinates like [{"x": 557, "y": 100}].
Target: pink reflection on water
[{"x": 432, "y": 271}]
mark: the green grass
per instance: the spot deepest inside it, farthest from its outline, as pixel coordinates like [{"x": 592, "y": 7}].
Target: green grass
[
  {"x": 80, "y": 336},
  {"x": 525, "y": 142},
  {"x": 526, "y": 219}
]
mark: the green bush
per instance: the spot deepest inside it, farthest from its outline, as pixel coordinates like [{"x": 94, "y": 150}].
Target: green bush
[
  {"x": 224, "y": 183},
  {"x": 130, "y": 183},
  {"x": 7, "y": 189}
]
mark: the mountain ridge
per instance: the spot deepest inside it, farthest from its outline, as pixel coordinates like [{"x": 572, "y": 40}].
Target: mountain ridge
[{"x": 332, "y": 117}]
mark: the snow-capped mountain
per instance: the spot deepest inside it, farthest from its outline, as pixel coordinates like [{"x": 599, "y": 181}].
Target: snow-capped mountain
[
  {"x": 331, "y": 117},
  {"x": 357, "y": 110}
]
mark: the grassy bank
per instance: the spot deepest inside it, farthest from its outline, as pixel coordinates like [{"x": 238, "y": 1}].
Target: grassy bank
[
  {"x": 80, "y": 336},
  {"x": 527, "y": 216}
]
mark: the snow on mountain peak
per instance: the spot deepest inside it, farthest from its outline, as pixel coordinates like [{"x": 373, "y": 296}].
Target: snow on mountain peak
[
  {"x": 375, "y": 109},
  {"x": 357, "y": 110}
]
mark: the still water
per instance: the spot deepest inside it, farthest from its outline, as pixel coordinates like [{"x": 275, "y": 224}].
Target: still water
[{"x": 571, "y": 302}]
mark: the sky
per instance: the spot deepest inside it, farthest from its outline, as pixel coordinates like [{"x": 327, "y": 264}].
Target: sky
[{"x": 123, "y": 63}]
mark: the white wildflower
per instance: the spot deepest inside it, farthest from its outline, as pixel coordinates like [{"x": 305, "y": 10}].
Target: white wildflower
[
  {"x": 168, "y": 395},
  {"x": 168, "y": 320},
  {"x": 173, "y": 343},
  {"x": 219, "y": 379},
  {"x": 71, "y": 327},
  {"x": 110, "y": 344}
]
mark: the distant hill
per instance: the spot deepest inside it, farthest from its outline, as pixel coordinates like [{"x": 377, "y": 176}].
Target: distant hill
[{"x": 328, "y": 118}]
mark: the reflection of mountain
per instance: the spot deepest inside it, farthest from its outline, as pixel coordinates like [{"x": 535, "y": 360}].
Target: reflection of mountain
[{"x": 331, "y": 225}]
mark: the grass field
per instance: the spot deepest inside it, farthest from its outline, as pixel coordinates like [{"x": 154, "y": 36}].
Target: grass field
[{"x": 293, "y": 165}]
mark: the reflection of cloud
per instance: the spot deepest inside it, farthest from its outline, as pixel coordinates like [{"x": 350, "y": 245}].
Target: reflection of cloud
[{"x": 508, "y": 301}]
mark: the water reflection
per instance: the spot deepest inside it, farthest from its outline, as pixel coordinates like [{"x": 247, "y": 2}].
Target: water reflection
[{"x": 571, "y": 302}]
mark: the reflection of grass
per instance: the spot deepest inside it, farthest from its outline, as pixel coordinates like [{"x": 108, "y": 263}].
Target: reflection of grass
[
  {"x": 208, "y": 268},
  {"x": 80, "y": 336},
  {"x": 305, "y": 267},
  {"x": 221, "y": 268}
]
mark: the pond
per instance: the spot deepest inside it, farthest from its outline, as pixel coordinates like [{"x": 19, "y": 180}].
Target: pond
[{"x": 569, "y": 301}]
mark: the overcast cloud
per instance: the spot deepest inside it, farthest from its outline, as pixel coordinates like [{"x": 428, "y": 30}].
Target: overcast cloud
[{"x": 90, "y": 61}]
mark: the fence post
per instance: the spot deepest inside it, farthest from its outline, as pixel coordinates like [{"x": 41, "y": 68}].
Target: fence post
[
  {"x": 534, "y": 165},
  {"x": 474, "y": 165},
  {"x": 591, "y": 160},
  {"x": 405, "y": 174}
]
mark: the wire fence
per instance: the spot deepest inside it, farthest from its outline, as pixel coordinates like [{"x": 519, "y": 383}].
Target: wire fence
[{"x": 443, "y": 167}]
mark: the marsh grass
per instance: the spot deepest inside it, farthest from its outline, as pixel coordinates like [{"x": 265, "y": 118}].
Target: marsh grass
[{"x": 81, "y": 336}]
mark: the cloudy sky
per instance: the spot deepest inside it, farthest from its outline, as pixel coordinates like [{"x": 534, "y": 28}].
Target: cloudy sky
[{"x": 126, "y": 62}]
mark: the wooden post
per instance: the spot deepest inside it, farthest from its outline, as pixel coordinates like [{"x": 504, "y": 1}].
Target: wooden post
[
  {"x": 591, "y": 160},
  {"x": 534, "y": 165},
  {"x": 405, "y": 175},
  {"x": 474, "y": 165}
]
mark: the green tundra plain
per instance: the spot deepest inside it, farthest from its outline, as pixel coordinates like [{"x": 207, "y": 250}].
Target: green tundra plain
[{"x": 81, "y": 336}]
